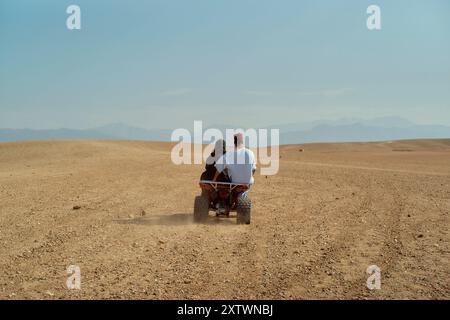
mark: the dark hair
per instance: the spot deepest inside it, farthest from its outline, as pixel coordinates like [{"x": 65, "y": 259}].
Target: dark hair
[{"x": 224, "y": 147}]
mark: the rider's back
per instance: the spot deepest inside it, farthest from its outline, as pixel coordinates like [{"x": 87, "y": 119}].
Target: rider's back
[{"x": 240, "y": 164}]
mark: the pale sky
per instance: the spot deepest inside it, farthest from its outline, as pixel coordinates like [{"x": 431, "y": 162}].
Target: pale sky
[{"x": 164, "y": 64}]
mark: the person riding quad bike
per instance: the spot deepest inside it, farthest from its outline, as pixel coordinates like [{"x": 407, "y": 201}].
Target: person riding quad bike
[
  {"x": 240, "y": 165},
  {"x": 210, "y": 167}
]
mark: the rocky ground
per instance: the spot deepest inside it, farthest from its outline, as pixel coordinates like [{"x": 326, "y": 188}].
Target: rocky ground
[{"x": 122, "y": 212}]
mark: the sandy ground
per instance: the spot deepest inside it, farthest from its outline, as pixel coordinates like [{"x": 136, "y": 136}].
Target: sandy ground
[{"x": 333, "y": 210}]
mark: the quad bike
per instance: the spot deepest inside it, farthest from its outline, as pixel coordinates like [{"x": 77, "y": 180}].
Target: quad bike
[{"x": 223, "y": 198}]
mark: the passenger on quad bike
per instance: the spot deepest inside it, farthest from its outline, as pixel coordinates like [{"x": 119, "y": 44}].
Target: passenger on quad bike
[{"x": 210, "y": 167}]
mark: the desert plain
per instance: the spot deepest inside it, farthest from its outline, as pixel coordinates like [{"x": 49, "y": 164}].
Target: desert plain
[{"x": 122, "y": 212}]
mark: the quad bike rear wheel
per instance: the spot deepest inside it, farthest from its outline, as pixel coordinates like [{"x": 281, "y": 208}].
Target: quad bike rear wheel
[
  {"x": 201, "y": 208},
  {"x": 243, "y": 209}
]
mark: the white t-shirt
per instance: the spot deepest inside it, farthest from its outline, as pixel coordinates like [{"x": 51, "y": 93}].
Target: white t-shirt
[{"x": 239, "y": 164}]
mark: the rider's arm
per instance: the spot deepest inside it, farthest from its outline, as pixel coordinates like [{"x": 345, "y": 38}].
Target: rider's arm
[
  {"x": 220, "y": 166},
  {"x": 253, "y": 166}
]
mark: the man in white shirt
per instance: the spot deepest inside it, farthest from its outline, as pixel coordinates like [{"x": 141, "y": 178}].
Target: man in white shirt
[{"x": 240, "y": 164}]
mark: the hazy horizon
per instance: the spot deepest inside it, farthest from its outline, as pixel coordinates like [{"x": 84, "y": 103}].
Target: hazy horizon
[{"x": 330, "y": 121}]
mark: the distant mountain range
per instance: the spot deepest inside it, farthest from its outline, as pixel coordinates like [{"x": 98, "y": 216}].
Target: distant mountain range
[
  {"x": 377, "y": 129},
  {"x": 117, "y": 131}
]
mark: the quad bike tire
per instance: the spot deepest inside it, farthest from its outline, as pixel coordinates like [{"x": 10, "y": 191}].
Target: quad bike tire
[
  {"x": 243, "y": 209},
  {"x": 201, "y": 208}
]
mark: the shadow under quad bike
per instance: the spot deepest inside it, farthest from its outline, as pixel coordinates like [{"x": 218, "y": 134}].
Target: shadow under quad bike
[{"x": 223, "y": 198}]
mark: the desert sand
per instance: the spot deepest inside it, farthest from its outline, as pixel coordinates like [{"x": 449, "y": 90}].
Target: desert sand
[{"x": 330, "y": 212}]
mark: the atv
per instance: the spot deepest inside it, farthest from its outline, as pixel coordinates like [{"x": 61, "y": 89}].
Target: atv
[{"x": 223, "y": 198}]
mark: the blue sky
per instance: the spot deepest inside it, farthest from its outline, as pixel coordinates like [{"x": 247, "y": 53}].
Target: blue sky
[{"x": 163, "y": 64}]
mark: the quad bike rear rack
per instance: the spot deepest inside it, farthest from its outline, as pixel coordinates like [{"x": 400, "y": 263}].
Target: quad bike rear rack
[{"x": 224, "y": 185}]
